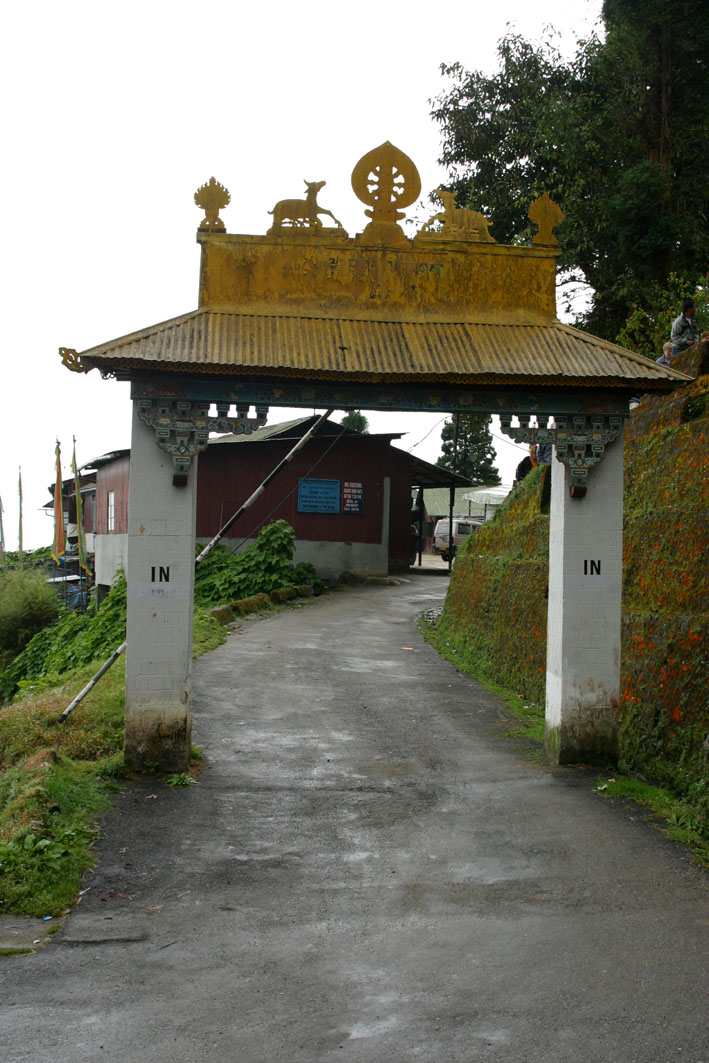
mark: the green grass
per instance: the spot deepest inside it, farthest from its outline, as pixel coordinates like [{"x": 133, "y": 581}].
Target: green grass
[
  {"x": 49, "y": 825},
  {"x": 683, "y": 819},
  {"x": 208, "y": 633},
  {"x": 526, "y": 718},
  {"x": 676, "y": 818},
  {"x": 56, "y": 778}
]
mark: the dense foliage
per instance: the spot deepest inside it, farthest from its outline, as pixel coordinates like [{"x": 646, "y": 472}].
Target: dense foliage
[
  {"x": 468, "y": 449},
  {"x": 648, "y": 326},
  {"x": 76, "y": 639},
  {"x": 356, "y": 420},
  {"x": 614, "y": 135},
  {"x": 495, "y": 612},
  {"x": 264, "y": 566},
  {"x": 27, "y": 604}
]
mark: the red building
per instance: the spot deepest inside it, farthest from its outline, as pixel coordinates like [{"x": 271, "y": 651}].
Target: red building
[{"x": 347, "y": 495}]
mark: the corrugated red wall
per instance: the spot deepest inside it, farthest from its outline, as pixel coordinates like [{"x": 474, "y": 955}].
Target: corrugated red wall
[
  {"x": 113, "y": 477},
  {"x": 229, "y": 473}
]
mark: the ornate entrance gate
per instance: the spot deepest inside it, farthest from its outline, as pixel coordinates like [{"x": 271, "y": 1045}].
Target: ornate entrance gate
[{"x": 447, "y": 321}]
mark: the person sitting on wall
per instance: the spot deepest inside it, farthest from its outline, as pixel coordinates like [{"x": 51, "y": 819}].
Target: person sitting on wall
[
  {"x": 666, "y": 356},
  {"x": 685, "y": 331}
]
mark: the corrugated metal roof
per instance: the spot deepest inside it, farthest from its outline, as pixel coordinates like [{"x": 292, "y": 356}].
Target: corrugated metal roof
[
  {"x": 463, "y": 352},
  {"x": 436, "y": 501}
]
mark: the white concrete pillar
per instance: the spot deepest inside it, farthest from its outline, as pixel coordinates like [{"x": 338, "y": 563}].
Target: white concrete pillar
[
  {"x": 583, "y": 631},
  {"x": 161, "y": 555}
]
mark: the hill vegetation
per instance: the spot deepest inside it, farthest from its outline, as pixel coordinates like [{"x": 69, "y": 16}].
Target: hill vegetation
[
  {"x": 495, "y": 613},
  {"x": 54, "y": 779}
]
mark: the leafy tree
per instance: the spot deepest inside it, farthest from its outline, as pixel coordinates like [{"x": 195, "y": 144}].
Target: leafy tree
[
  {"x": 648, "y": 326},
  {"x": 614, "y": 135},
  {"x": 356, "y": 420},
  {"x": 471, "y": 453},
  {"x": 27, "y": 604}
]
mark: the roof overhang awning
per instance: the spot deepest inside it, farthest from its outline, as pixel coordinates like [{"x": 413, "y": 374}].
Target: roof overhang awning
[{"x": 463, "y": 353}]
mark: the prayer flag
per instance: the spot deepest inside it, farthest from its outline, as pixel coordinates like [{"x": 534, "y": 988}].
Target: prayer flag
[
  {"x": 19, "y": 546},
  {"x": 79, "y": 513},
  {"x": 59, "y": 548}
]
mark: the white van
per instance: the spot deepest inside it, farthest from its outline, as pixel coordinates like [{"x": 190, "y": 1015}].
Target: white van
[{"x": 462, "y": 527}]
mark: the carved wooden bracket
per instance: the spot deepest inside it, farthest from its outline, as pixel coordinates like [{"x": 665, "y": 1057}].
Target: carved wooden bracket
[
  {"x": 182, "y": 428},
  {"x": 71, "y": 360},
  {"x": 580, "y": 441}
]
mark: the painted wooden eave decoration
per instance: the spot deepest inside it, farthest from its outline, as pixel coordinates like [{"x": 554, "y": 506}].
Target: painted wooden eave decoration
[{"x": 308, "y": 302}]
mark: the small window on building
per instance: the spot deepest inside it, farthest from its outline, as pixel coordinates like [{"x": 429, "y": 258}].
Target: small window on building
[{"x": 111, "y": 511}]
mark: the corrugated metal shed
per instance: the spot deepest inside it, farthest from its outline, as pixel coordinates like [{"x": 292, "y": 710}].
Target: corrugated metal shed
[
  {"x": 437, "y": 501},
  {"x": 404, "y": 351}
]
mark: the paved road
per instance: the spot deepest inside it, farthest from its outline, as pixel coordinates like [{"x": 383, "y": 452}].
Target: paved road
[{"x": 367, "y": 872}]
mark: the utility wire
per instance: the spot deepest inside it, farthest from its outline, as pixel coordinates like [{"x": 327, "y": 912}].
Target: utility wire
[
  {"x": 426, "y": 436},
  {"x": 285, "y": 498}
]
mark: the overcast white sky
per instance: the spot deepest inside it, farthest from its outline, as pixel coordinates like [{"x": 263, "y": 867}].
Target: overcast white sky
[{"x": 115, "y": 114}]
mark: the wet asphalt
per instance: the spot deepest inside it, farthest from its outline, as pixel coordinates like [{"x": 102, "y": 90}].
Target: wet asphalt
[{"x": 369, "y": 871}]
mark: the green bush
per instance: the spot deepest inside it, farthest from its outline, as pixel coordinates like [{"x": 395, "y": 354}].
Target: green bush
[
  {"x": 266, "y": 565},
  {"x": 77, "y": 639},
  {"x": 27, "y": 604},
  {"x": 74, "y": 640}
]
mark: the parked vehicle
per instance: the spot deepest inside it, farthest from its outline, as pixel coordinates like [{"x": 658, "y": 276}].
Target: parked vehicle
[{"x": 462, "y": 527}]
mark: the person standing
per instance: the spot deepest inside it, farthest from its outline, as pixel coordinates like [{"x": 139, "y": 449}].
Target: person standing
[{"x": 684, "y": 328}]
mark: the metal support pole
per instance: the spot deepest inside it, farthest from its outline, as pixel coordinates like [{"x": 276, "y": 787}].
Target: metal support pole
[
  {"x": 451, "y": 502},
  {"x": 262, "y": 487}
]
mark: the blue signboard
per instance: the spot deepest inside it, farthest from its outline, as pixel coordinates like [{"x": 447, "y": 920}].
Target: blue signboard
[{"x": 318, "y": 496}]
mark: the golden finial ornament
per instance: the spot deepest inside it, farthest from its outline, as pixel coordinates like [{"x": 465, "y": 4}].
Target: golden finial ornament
[
  {"x": 546, "y": 215},
  {"x": 72, "y": 360},
  {"x": 386, "y": 179},
  {"x": 302, "y": 213},
  {"x": 211, "y": 198},
  {"x": 457, "y": 223}
]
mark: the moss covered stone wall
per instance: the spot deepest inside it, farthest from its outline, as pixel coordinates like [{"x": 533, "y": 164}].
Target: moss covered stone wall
[
  {"x": 496, "y": 605},
  {"x": 497, "y": 602}
]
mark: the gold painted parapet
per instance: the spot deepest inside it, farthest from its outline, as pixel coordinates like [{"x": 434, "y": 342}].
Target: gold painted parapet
[
  {"x": 455, "y": 272},
  {"x": 332, "y": 275}
]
